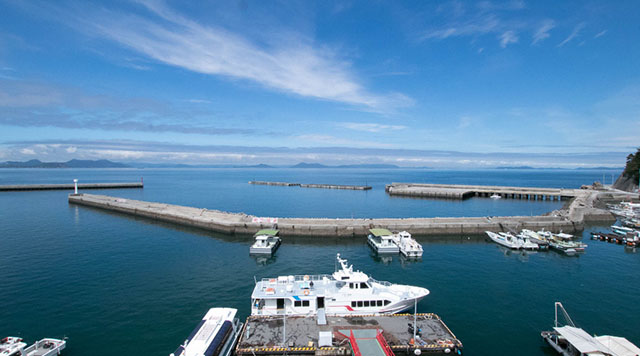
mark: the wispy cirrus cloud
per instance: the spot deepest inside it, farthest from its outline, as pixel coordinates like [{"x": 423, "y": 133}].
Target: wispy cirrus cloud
[
  {"x": 507, "y": 38},
  {"x": 575, "y": 33},
  {"x": 542, "y": 32},
  {"x": 600, "y": 34},
  {"x": 370, "y": 127},
  {"x": 294, "y": 64}
]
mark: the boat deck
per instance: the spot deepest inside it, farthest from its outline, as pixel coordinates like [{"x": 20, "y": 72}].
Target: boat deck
[{"x": 298, "y": 335}]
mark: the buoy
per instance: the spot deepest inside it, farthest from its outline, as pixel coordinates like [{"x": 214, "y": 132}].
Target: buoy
[{"x": 306, "y": 292}]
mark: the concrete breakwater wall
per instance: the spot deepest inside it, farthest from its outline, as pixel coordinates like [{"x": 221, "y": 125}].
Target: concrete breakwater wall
[
  {"x": 304, "y": 185},
  {"x": 450, "y": 191},
  {"x": 26, "y": 187},
  {"x": 234, "y": 223}
]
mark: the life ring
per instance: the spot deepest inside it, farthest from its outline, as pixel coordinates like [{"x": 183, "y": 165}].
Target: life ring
[
  {"x": 306, "y": 292},
  {"x": 306, "y": 277}
]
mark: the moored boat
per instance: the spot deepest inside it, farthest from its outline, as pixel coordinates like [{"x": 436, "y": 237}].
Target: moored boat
[
  {"x": 408, "y": 246},
  {"x": 267, "y": 242},
  {"x": 342, "y": 293},
  {"x": 542, "y": 242},
  {"x": 215, "y": 335},
  {"x": 15, "y": 346},
  {"x": 569, "y": 340},
  {"x": 381, "y": 241},
  {"x": 505, "y": 239}
]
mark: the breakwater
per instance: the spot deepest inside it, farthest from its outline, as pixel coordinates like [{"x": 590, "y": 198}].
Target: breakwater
[
  {"x": 569, "y": 219},
  {"x": 451, "y": 191},
  {"x": 322, "y": 186},
  {"x": 27, "y": 187}
]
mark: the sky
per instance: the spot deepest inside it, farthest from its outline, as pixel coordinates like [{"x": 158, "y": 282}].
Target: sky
[{"x": 445, "y": 84}]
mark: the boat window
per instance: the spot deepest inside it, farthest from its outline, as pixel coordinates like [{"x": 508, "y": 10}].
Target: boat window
[
  {"x": 379, "y": 302},
  {"x": 363, "y": 285},
  {"x": 344, "y": 278},
  {"x": 305, "y": 303},
  {"x": 386, "y": 302},
  {"x": 353, "y": 304},
  {"x": 359, "y": 303},
  {"x": 340, "y": 284},
  {"x": 366, "y": 303},
  {"x": 297, "y": 303},
  {"x": 351, "y": 285}
]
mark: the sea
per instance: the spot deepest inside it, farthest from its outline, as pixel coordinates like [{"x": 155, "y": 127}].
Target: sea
[{"x": 120, "y": 285}]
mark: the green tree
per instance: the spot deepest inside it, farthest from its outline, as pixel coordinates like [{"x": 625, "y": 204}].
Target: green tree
[{"x": 633, "y": 164}]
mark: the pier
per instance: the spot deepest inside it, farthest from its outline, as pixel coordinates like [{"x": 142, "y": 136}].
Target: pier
[
  {"x": 322, "y": 186},
  {"x": 27, "y": 187},
  {"x": 367, "y": 335},
  {"x": 571, "y": 219},
  {"x": 450, "y": 191}
]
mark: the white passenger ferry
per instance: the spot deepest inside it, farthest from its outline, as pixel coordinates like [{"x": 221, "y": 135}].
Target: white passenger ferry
[{"x": 344, "y": 292}]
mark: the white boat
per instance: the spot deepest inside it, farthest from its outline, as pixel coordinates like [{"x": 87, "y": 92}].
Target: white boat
[
  {"x": 533, "y": 236},
  {"x": 495, "y": 196},
  {"x": 569, "y": 340},
  {"x": 267, "y": 241},
  {"x": 215, "y": 335},
  {"x": 505, "y": 239},
  {"x": 408, "y": 246},
  {"x": 342, "y": 293},
  {"x": 621, "y": 230},
  {"x": 381, "y": 241},
  {"x": 14, "y": 346}
]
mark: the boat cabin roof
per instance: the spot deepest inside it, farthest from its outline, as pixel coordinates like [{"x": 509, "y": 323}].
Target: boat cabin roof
[
  {"x": 266, "y": 232},
  {"x": 380, "y": 232},
  {"x": 582, "y": 341}
]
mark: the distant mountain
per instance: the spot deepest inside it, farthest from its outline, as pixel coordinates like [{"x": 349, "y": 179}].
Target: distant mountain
[
  {"x": 74, "y": 163},
  {"x": 516, "y": 167},
  {"x": 309, "y": 165},
  {"x": 182, "y": 165}
]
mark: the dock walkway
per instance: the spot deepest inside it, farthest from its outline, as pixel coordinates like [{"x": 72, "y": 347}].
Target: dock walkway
[
  {"x": 299, "y": 335},
  {"x": 450, "y": 191},
  {"x": 26, "y": 187}
]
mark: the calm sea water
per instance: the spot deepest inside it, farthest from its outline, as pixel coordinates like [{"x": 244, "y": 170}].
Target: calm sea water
[{"x": 120, "y": 285}]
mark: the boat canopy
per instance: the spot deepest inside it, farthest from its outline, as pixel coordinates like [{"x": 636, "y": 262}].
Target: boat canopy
[
  {"x": 267, "y": 232},
  {"x": 619, "y": 345},
  {"x": 380, "y": 232},
  {"x": 583, "y": 342}
]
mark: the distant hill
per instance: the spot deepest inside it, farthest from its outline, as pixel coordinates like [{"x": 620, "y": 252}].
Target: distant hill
[
  {"x": 74, "y": 163},
  {"x": 182, "y": 165}
]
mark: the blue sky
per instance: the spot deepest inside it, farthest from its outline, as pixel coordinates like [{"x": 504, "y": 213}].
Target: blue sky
[{"x": 425, "y": 83}]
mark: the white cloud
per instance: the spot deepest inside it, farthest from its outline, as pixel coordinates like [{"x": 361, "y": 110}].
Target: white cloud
[
  {"x": 71, "y": 149},
  {"x": 600, "y": 34},
  {"x": 27, "y": 151},
  {"x": 507, "y": 38},
  {"x": 370, "y": 127},
  {"x": 543, "y": 31},
  {"x": 573, "y": 34},
  {"x": 294, "y": 65}
]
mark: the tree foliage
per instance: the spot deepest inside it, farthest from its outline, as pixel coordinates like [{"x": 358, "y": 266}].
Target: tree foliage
[{"x": 633, "y": 164}]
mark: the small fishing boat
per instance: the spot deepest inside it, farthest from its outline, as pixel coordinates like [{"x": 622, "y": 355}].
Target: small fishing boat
[
  {"x": 215, "y": 335},
  {"x": 14, "y": 346},
  {"x": 542, "y": 242},
  {"x": 381, "y": 241},
  {"x": 495, "y": 196},
  {"x": 267, "y": 241},
  {"x": 527, "y": 244},
  {"x": 569, "y": 340},
  {"x": 408, "y": 246},
  {"x": 621, "y": 230},
  {"x": 505, "y": 239}
]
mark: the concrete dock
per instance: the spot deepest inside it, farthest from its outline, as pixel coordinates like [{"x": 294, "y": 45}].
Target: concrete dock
[
  {"x": 305, "y": 185},
  {"x": 26, "y": 187},
  {"x": 570, "y": 219},
  {"x": 450, "y": 191},
  {"x": 300, "y": 335}
]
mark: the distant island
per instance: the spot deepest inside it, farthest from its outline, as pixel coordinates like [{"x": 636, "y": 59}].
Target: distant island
[{"x": 74, "y": 163}]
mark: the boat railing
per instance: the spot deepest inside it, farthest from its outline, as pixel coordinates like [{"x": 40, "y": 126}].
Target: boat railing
[
  {"x": 300, "y": 278},
  {"x": 384, "y": 283}
]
